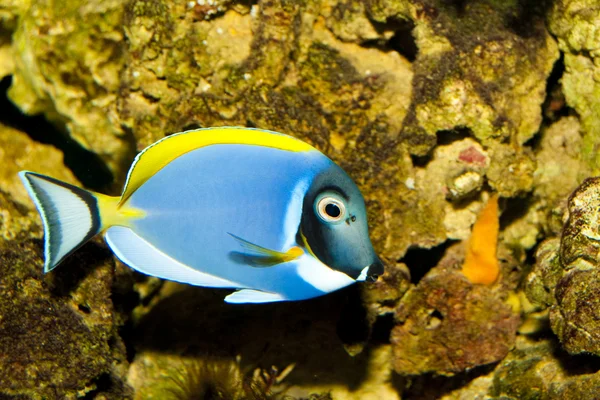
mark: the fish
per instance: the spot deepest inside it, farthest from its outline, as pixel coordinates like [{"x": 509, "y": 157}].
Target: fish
[{"x": 241, "y": 208}]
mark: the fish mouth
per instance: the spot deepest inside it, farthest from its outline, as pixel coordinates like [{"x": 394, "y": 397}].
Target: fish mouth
[
  {"x": 374, "y": 271},
  {"x": 370, "y": 273}
]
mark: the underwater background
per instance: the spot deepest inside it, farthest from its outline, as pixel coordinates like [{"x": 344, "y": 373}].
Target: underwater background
[{"x": 471, "y": 127}]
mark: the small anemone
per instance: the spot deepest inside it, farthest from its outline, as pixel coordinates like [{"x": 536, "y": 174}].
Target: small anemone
[{"x": 197, "y": 379}]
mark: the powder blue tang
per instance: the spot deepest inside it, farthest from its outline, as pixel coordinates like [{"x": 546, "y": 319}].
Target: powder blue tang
[{"x": 241, "y": 208}]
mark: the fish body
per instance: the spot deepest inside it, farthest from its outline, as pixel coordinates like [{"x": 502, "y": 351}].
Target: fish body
[{"x": 241, "y": 208}]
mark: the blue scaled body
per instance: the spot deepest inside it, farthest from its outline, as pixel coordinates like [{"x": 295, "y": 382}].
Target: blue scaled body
[{"x": 238, "y": 208}]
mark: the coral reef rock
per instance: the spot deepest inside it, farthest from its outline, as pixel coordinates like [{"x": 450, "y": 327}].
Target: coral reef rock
[
  {"x": 534, "y": 370},
  {"x": 564, "y": 277},
  {"x": 445, "y": 324},
  {"x": 576, "y": 24},
  {"x": 58, "y": 336},
  {"x": 577, "y": 292}
]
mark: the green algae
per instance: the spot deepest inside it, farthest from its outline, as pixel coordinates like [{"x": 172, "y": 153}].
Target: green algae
[{"x": 575, "y": 24}]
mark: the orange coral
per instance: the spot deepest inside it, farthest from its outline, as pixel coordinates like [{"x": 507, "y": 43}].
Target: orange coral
[{"x": 481, "y": 264}]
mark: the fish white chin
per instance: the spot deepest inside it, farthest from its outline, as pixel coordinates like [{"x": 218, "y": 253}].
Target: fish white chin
[
  {"x": 363, "y": 274},
  {"x": 321, "y": 276}
]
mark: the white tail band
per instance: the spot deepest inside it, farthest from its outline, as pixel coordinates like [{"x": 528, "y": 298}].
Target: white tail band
[{"x": 69, "y": 214}]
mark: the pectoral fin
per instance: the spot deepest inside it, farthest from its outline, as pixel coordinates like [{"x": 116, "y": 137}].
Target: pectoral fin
[{"x": 261, "y": 257}]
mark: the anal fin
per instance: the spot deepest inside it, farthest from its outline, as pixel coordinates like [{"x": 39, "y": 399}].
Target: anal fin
[
  {"x": 253, "y": 296},
  {"x": 142, "y": 256}
]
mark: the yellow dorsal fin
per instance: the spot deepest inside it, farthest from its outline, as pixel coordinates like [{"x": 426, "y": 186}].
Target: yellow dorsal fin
[
  {"x": 259, "y": 256},
  {"x": 156, "y": 156}
]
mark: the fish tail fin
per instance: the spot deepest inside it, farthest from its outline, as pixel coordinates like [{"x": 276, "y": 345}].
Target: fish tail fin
[{"x": 70, "y": 215}]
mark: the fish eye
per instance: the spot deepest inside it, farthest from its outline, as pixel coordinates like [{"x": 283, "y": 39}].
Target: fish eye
[{"x": 330, "y": 208}]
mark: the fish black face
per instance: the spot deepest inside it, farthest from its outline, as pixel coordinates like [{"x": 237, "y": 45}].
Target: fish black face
[
  {"x": 334, "y": 224},
  {"x": 375, "y": 271}
]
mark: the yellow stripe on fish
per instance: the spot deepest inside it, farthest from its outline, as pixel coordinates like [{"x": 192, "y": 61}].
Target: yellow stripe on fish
[
  {"x": 112, "y": 213},
  {"x": 158, "y": 155}
]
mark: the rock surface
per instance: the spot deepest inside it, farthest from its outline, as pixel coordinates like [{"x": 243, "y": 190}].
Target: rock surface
[
  {"x": 58, "y": 332},
  {"x": 447, "y": 325},
  {"x": 574, "y": 315},
  {"x": 575, "y": 23}
]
